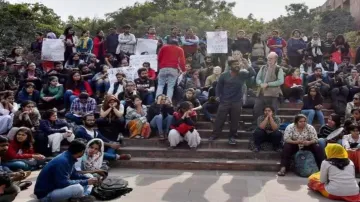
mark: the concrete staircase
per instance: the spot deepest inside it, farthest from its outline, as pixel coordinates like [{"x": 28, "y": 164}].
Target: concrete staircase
[{"x": 218, "y": 155}]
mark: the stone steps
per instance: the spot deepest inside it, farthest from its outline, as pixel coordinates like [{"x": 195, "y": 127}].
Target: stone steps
[
  {"x": 205, "y": 128},
  {"x": 250, "y": 118},
  {"x": 288, "y": 111}
]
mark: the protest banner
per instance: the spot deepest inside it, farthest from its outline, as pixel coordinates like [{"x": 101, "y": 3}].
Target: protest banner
[
  {"x": 52, "y": 50},
  {"x": 130, "y": 73},
  {"x": 138, "y": 60},
  {"x": 217, "y": 42},
  {"x": 146, "y": 47}
]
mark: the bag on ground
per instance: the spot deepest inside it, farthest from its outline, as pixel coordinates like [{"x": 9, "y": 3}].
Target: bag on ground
[
  {"x": 111, "y": 188},
  {"x": 305, "y": 164}
]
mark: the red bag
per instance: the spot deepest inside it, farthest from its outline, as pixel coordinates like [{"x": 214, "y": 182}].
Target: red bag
[{"x": 336, "y": 57}]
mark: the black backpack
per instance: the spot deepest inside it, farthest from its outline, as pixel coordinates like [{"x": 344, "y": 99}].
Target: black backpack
[
  {"x": 339, "y": 105},
  {"x": 111, "y": 188}
]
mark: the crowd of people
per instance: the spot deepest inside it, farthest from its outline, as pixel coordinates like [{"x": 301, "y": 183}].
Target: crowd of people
[{"x": 46, "y": 104}]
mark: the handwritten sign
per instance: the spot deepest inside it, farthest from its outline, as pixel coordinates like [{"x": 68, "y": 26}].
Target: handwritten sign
[
  {"x": 138, "y": 60},
  {"x": 52, "y": 50},
  {"x": 217, "y": 42},
  {"x": 130, "y": 73},
  {"x": 146, "y": 47}
]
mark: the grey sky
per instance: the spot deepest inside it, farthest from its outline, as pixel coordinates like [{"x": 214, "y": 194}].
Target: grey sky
[{"x": 97, "y": 8}]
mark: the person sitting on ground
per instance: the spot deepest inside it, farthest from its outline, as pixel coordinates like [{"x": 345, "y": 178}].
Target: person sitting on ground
[
  {"x": 268, "y": 130},
  {"x": 27, "y": 116},
  {"x": 339, "y": 88},
  {"x": 117, "y": 87},
  {"x": 136, "y": 120},
  {"x": 145, "y": 86},
  {"x": 351, "y": 142},
  {"x": 111, "y": 61},
  {"x": 55, "y": 130},
  {"x": 52, "y": 94},
  {"x": 81, "y": 106},
  {"x": 336, "y": 179},
  {"x": 293, "y": 89},
  {"x": 130, "y": 91},
  {"x": 211, "y": 106},
  {"x": 213, "y": 77},
  {"x": 299, "y": 135},
  {"x": 346, "y": 66},
  {"x": 307, "y": 69},
  {"x": 59, "y": 181},
  {"x": 7, "y": 104},
  {"x": 88, "y": 132},
  {"x": 28, "y": 93},
  {"x": 111, "y": 121},
  {"x": 59, "y": 71},
  {"x": 315, "y": 48},
  {"x": 101, "y": 81},
  {"x": 189, "y": 80},
  {"x": 21, "y": 155},
  {"x": 333, "y": 123},
  {"x": 151, "y": 72},
  {"x": 73, "y": 61},
  {"x": 355, "y": 104},
  {"x": 329, "y": 66},
  {"x": 183, "y": 127},
  {"x": 313, "y": 105},
  {"x": 33, "y": 75},
  {"x": 206, "y": 70},
  {"x": 355, "y": 117},
  {"x": 319, "y": 80},
  {"x": 74, "y": 86},
  {"x": 160, "y": 115},
  {"x": 353, "y": 83},
  {"x": 94, "y": 64},
  {"x": 86, "y": 73},
  {"x": 190, "y": 96}
]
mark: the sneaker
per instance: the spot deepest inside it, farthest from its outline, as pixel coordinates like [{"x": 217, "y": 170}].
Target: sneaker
[
  {"x": 124, "y": 157},
  {"x": 286, "y": 101},
  {"x": 299, "y": 101},
  {"x": 232, "y": 141},
  {"x": 213, "y": 137},
  {"x": 83, "y": 199}
]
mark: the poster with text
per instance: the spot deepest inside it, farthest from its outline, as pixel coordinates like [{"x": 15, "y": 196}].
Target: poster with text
[
  {"x": 130, "y": 73},
  {"x": 138, "y": 60},
  {"x": 146, "y": 47},
  {"x": 52, "y": 50},
  {"x": 217, "y": 42}
]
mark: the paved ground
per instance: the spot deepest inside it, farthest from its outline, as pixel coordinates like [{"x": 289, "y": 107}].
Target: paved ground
[{"x": 207, "y": 186}]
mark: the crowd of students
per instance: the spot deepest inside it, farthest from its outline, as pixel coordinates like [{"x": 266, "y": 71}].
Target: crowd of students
[{"x": 96, "y": 114}]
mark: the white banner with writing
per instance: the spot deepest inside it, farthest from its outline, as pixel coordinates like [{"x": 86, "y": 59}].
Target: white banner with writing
[
  {"x": 130, "y": 73},
  {"x": 138, "y": 60},
  {"x": 217, "y": 42},
  {"x": 146, "y": 47},
  {"x": 52, "y": 50}
]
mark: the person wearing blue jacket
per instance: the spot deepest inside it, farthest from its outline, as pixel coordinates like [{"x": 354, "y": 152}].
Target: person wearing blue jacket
[
  {"x": 88, "y": 132},
  {"x": 59, "y": 181},
  {"x": 28, "y": 93}
]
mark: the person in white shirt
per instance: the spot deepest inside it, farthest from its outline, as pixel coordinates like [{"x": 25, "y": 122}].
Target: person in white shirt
[
  {"x": 127, "y": 42},
  {"x": 117, "y": 87},
  {"x": 336, "y": 179}
]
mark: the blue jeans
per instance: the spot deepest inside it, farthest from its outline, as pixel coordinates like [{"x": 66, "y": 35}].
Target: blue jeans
[
  {"x": 110, "y": 154},
  {"x": 167, "y": 75},
  {"x": 59, "y": 195},
  {"x": 71, "y": 117},
  {"x": 207, "y": 107},
  {"x": 102, "y": 85},
  {"x": 148, "y": 98},
  {"x": 17, "y": 165},
  {"x": 310, "y": 113},
  {"x": 323, "y": 142},
  {"x": 161, "y": 124},
  {"x": 68, "y": 98}
]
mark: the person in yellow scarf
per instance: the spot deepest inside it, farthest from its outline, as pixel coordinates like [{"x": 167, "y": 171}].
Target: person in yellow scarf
[
  {"x": 85, "y": 44},
  {"x": 336, "y": 179}
]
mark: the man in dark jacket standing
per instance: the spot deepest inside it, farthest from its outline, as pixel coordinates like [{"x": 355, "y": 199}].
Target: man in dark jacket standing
[
  {"x": 242, "y": 44},
  {"x": 112, "y": 41}
]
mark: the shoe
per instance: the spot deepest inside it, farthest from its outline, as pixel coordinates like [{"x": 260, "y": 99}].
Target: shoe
[
  {"x": 124, "y": 157},
  {"x": 161, "y": 136},
  {"x": 193, "y": 148},
  {"x": 256, "y": 150},
  {"x": 83, "y": 199},
  {"x": 213, "y": 137},
  {"x": 286, "y": 101},
  {"x": 24, "y": 185},
  {"x": 171, "y": 148},
  {"x": 299, "y": 101},
  {"x": 232, "y": 141}
]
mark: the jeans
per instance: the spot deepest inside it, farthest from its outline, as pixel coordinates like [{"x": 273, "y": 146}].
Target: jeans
[
  {"x": 208, "y": 108},
  {"x": 102, "y": 85},
  {"x": 110, "y": 154},
  {"x": 161, "y": 124},
  {"x": 310, "y": 113},
  {"x": 147, "y": 98},
  {"x": 323, "y": 142},
  {"x": 17, "y": 165},
  {"x": 71, "y": 117},
  {"x": 59, "y": 195},
  {"x": 167, "y": 75},
  {"x": 68, "y": 98}
]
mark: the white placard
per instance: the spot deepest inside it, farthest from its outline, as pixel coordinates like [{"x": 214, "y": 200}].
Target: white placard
[
  {"x": 217, "y": 42},
  {"x": 52, "y": 50},
  {"x": 137, "y": 61},
  {"x": 146, "y": 47},
  {"x": 130, "y": 73}
]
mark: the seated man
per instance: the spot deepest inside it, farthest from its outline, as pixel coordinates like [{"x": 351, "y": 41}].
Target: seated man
[
  {"x": 145, "y": 86},
  {"x": 319, "y": 80},
  {"x": 8, "y": 191},
  {"x": 88, "y": 132},
  {"x": 346, "y": 66},
  {"x": 268, "y": 130},
  {"x": 58, "y": 180},
  {"x": 81, "y": 106},
  {"x": 355, "y": 104},
  {"x": 353, "y": 83}
]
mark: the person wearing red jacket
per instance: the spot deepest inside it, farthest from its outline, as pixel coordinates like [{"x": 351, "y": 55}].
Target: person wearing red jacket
[
  {"x": 293, "y": 89},
  {"x": 21, "y": 155},
  {"x": 170, "y": 58},
  {"x": 277, "y": 45},
  {"x": 99, "y": 48}
]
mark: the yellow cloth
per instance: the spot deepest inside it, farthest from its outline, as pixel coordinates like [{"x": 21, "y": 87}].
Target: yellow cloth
[
  {"x": 334, "y": 150},
  {"x": 85, "y": 41}
]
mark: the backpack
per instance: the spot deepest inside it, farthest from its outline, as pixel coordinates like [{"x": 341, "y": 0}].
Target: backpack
[
  {"x": 305, "y": 164},
  {"x": 339, "y": 105},
  {"x": 111, "y": 188}
]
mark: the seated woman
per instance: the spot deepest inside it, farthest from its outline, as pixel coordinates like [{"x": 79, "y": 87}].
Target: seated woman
[
  {"x": 299, "y": 135},
  {"x": 183, "y": 127},
  {"x": 292, "y": 88},
  {"x": 55, "y": 130},
  {"x": 52, "y": 94},
  {"x": 73, "y": 61},
  {"x": 101, "y": 81},
  {"x": 33, "y": 75},
  {"x": 21, "y": 155},
  {"x": 7, "y": 104},
  {"x": 111, "y": 121},
  {"x": 313, "y": 106},
  {"x": 92, "y": 162},
  {"x": 336, "y": 179},
  {"x": 117, "y": 87},
  {"x": 136, "y": 120},
  {"x": 160, "y": 115},
  {"x": 74, "y": 87},
  {"x": 351, "y": 142},
  {"x": 333, "y": 123},
  {"x": 355, "y": 117},
  {"x": 188, "y": 80},
  {"x": 29, "y": 93},
  {"x": 268, "y": 130}
]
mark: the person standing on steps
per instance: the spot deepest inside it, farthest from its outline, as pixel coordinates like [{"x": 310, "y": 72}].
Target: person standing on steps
[{"x": 229, "y": 93}]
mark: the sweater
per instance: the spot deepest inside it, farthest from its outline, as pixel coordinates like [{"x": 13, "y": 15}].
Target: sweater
[
  {"x": 290, "y": 80},
  {"x": 112, "y": 43},
  {"x": 58, "y": 174},
  {"x": 47, "y": 127},
  {"x": 53, "y": 91},
  {"x": 13, "y": 152},
  {"x": 229, "y": 88},
  {"x": 243, "y": 45},
  {"x": 24, "y": 96},
  {"x": 293, "y": 45},
  {"x": 82, "y": 133},
  {"x": 310, "y": 103},
  {"x": 171, "y": 56}
]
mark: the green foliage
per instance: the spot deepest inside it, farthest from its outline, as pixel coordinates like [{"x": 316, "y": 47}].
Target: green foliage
[
  {"x": 93, "y": 25},
  {"x": 337, "y": 21},
  {"x": 353, "y": 39}
]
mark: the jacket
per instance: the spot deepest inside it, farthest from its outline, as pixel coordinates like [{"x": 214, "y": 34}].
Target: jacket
[
  {"x": 290, "y": 80},
  {"x": 49, "y": 128},
  {"x": 156, "y": 109},
  {"x": 243, "y": 45},
  {"x": 58, "y": 174},
  {"x": 310, "y": 104},
  {"x": 171, "y": 56},
  {"x": 13, "y": 152},
  {"x": 81, "y": 133},
  {"x": 23, "y": 96},
  {"x": 98, "y": 46},
  {"x": 112, "y": 43}
]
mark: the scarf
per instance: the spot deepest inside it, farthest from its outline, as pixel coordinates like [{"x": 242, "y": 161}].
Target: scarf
[
  {"x": 316, "y": 51},
  {"x": 84, "y": 41},
  {"x": 336, "y": 151},
  {"x": 95, "y": 162}
]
